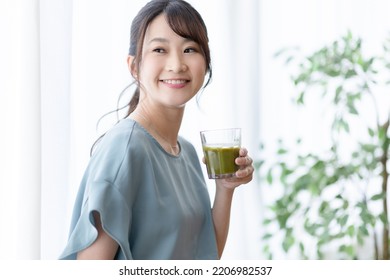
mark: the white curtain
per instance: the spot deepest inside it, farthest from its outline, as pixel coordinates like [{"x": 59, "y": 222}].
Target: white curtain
[{"x": 20, "y": 179}]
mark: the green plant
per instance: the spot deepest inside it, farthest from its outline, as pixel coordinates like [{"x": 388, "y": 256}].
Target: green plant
[{"x": 337, "y": 197}]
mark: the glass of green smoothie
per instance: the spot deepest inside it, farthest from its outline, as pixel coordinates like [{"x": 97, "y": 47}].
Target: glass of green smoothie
[{"x": 220, "y": 148}]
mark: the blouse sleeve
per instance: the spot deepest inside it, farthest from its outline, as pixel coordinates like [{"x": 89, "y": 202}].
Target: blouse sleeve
[
  {"x": 107, "y": 189},
  {"x": 115, "y": 217}
]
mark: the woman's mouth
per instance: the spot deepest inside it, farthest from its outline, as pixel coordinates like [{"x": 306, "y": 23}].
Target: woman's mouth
[{"x": 175, "y": 83}]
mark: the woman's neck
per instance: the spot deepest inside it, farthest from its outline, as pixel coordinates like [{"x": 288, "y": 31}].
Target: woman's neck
[{"x": 162, "y": 124}]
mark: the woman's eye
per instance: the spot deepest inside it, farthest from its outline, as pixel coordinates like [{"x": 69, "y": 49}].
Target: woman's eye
[
  {"x": 190, "y": 50},
  {"x": 158, "y": 50}
]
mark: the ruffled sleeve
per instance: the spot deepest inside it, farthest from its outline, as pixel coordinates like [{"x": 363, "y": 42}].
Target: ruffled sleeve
[
  {"x": 107, "y": 188},
  {"x": 115, "y": 217}
]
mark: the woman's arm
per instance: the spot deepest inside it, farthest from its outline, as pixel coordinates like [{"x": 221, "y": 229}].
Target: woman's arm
[
  {"x": 221, "y": 215},
  {"x": 224, "y": 196},
  {"x": 104, "y": 247}
]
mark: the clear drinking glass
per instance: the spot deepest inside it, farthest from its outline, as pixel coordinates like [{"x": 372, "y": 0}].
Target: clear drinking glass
[{"x": 220, "y": 148}]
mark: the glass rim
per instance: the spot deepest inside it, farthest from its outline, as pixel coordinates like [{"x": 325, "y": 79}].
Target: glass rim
[{"x": 220, "y": 129}]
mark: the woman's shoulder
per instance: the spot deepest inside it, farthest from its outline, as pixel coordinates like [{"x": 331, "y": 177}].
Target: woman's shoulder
[
  {"x": 120, "y": 136},
  {"x": 119, "y": 147},
  {"x": 184, "y": 143},
  {"x": 124, "y": 130},
  {"x": 188, "y": 149}
]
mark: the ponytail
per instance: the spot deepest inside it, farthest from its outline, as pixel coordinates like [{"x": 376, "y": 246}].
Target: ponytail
[
  {"x": 132, "y": 105},
  {"x": 133, "y": 102}
]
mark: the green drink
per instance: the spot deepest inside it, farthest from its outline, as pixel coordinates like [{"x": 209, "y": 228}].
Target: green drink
[
  {"x": 220, "y": 161},
  {"x": 221, "y": 147}
]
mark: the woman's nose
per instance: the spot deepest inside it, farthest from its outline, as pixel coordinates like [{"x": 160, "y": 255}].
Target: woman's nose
[{"x": 176, "y": 63}]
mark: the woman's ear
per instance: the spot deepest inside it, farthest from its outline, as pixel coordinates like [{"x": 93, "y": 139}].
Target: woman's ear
[{"x": 131, "y": 65}]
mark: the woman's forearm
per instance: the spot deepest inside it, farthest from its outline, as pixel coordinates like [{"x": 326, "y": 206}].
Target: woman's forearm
[{"x": 221, "y": 215}]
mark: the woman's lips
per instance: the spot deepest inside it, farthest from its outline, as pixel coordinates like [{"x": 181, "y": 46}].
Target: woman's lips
[{"x": 175, "y": 83}]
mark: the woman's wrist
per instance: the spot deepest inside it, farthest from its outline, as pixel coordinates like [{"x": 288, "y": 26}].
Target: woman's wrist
[{"x": 224, "y": 188}]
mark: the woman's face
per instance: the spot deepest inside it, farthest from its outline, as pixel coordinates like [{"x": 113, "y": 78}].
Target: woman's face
[{"x": 173, "y": 68}]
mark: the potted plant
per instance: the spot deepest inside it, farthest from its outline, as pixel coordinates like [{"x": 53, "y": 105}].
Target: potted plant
[{"x": 338, "y": 197}]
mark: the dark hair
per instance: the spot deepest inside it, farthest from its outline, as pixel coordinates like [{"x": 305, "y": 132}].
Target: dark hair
[{"x": 184, "y": 21}]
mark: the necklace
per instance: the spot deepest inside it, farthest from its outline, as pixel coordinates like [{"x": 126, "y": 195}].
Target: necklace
[{"x": 172, "y": 149}]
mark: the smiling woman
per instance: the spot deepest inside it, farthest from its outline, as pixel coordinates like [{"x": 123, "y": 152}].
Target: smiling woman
[
  {"x": 143, "y": 194},
  {"x": 176, "y": 63},
  {"x": 63, "y": 66}
]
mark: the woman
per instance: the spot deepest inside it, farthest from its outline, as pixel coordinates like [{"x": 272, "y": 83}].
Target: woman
[{"x": 143, "y": 195}]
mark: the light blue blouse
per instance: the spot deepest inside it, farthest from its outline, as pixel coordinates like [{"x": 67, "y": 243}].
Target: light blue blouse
[{"x": 155, "y": 205}]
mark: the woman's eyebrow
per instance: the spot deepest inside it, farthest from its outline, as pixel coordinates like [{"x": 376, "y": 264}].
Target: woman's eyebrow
[
  {"x": 164, "y": 40},
  {"x": 159, "y": 40}
]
